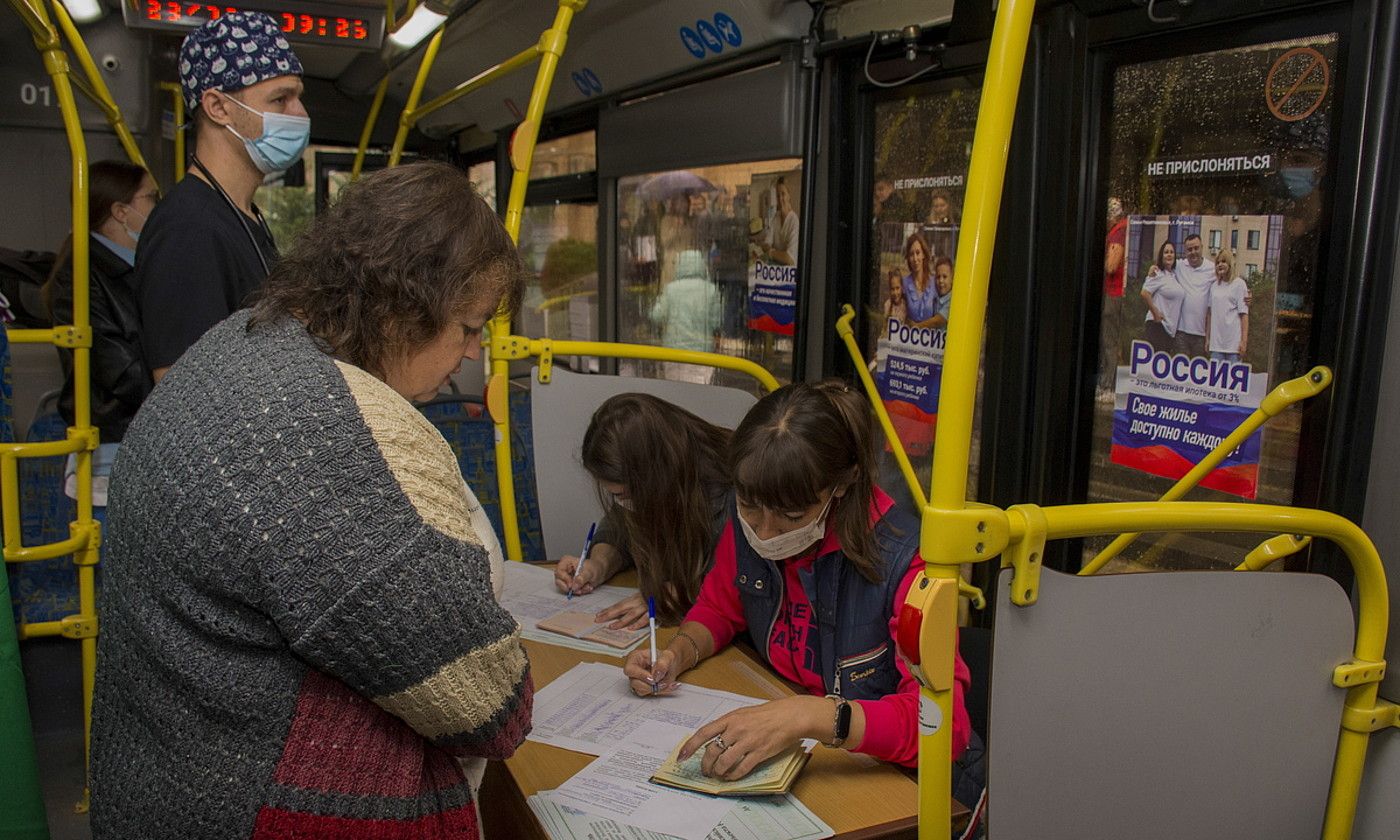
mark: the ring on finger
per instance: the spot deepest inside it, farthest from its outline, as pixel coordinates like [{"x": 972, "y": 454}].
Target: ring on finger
[{"x": 719, "y": 742}]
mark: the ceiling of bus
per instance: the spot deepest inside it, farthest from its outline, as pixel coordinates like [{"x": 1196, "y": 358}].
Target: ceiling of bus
[{"x": 614, "y": 45}]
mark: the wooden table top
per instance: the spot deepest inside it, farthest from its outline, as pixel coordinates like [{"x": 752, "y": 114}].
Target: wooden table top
[{"x": 856, "y": 795}]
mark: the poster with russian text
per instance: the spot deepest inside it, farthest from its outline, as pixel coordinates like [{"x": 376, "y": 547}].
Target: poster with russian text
[
  {"x": 917, "y": 279},
  {"x": 1197, "y": 335},
  {"x": 773, "y": 244}
]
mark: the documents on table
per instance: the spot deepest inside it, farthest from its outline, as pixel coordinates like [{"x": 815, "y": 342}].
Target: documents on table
[
  {"x": 529, "y": 595},
  {"x": 616, "y": 786},
  {"x": 773, "y": 776},
  {"x": 590, "y": 708},
  {"x": 757, "y": 818}
]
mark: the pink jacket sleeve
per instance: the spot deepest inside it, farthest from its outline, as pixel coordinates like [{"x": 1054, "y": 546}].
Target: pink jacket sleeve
[
  {"x": 892, "y": 722},
  {"x": 717, "y": 606}
]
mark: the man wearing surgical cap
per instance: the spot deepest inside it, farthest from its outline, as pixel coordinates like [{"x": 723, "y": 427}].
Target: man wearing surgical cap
[{"x": 206, "y": 249}]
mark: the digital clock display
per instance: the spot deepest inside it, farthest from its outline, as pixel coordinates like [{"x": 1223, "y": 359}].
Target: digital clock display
[{"x": 307, "y": 23}]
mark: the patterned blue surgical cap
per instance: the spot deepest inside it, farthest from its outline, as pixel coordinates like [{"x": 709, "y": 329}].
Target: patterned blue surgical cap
[{"x": 232, "y": 52}]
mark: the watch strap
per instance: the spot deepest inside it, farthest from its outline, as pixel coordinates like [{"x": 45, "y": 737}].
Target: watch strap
[{"x": 841, "y": 722}]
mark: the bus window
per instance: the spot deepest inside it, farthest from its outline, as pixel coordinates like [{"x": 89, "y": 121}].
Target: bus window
[
  {"x": 573, "y": 154},
  {"x": 483, "y": 178},
  {"x": 923, "y": 140},
  {"x": 1220, "y": 147},
  {"x": 707, "y": 260}
]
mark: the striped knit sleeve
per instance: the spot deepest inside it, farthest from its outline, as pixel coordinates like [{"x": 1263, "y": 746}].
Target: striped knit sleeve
[{"x": 396, "y": 598}]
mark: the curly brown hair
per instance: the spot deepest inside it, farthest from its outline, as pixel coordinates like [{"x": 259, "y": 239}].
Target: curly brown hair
[{"x": 396, "y": 259}]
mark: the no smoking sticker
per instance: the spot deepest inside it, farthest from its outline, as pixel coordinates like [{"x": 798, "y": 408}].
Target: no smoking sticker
[{"x": 1297, "y": 84}]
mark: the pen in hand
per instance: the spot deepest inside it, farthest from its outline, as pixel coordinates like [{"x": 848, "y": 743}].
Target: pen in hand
[
  {"x": 651, "y": 624},
  {"x": 587, "y": 545}
]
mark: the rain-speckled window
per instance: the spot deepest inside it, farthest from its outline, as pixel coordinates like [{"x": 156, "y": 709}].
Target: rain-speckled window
[
  {"x": 707, "y": 260},
  {"x": 923, "y": 142},
  {"x": 1207, "y": 149}
]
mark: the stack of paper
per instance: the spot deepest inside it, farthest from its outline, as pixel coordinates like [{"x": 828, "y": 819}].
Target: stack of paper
[
  {"x": 589, "y": 709},
  {"x": 529, "y": 595},
  {"x": 773, "y": 776},
  {"x": 760, "y": 818}
]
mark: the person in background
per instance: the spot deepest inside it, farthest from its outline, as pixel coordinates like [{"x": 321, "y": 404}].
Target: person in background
[
  {"x": 781, "y": 246},
  {"x": 943, "y": 284},
  {"x": 895, "y": 307},
  {"x": 813, "y": 567},
  {"x": 120, "y": 198},
  {"x": 207, "y": 248},
  {"x": 1227, "y": 319},
  {"x": 664, "y": 483},
  {"x": 1195, "y": 274},
  {"x": 941, "y": 210},
  {"x": 688, "y": 313},
  {"x": 300, "y": 628},
  {"x": 1164, "y": 295},
  {"x": 1114, "y": 270},
  {"x": 920, "y": 292}
]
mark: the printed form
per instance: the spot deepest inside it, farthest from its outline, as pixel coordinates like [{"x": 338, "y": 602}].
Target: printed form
[
  {"x": 752, "y": 818},
  {"x": 529, "y": 596},
  {"x": 617, "y": 786},
  {"x": 590, "y": 708}
]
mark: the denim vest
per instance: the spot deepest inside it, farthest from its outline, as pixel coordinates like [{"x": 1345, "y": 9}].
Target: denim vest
[{"x": 855, "y": 653}]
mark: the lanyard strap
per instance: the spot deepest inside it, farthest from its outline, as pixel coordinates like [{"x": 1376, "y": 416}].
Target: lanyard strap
[{"x": 242, "y": 218}]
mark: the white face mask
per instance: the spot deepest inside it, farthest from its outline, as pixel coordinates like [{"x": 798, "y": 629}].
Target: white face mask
[{"x": 791, "y": 543}]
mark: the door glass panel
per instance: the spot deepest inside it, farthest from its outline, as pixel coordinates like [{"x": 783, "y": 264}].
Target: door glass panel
[
  {"x": 707, "y": 260},
  {"x": 923, "y": 141},
  {"x": 1227, "y": 146},
  {"x": 571, "y": 155},
  {"x": 559, "y": 244},
  {"x": 483, "y": 178}
]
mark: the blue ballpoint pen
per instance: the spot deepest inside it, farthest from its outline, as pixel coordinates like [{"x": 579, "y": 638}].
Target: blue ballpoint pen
[
  {"x": 587, "y": 545},
  {"x": 651, "y": 623}
]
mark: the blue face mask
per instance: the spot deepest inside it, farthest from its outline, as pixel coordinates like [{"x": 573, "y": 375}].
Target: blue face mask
[{"x": 283, "y": 140}]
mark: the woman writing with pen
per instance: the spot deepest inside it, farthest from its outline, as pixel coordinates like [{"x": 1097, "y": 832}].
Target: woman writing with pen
[
  {"x": 664, "y": 483},
  {"x": 813, "y": 564}
]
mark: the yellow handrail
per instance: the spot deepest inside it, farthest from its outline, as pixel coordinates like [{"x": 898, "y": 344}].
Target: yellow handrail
[
  {"x": 405, "y": 123},
  {"x": 1286, "y": 394},
  {"x": 177, "y": 95},
  {"x": 101, "y": 96},
  {"x": 848, "y": 337},
  {"x": 370, "y": 120}
]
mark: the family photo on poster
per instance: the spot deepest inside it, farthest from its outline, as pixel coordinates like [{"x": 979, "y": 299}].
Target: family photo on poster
[
  {"x": 1195, "y": 324},
  {"x": 918, "y": 284},
  {"x": 773, "y": 245}
]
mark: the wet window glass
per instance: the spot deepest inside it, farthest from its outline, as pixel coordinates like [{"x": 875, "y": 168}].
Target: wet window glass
[
  {"x": 571, "y": 155},
  {"x": 559, "y": 245},
  {"x": 707, "y": 260},
  {"x": 923, "y": 142},
  {"x": 1227, "y": 146}
]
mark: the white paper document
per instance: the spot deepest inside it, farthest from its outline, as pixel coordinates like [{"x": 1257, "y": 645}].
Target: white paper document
[
  {"x": 617, "y": 786},
  {"x": 751, "y": 818},
  {"x": 589, "y": 709},
  {"x": 529, "y": 595}
]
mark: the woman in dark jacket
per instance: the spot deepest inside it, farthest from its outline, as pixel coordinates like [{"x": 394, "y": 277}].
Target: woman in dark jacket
[{"x": 120, "y": 197}]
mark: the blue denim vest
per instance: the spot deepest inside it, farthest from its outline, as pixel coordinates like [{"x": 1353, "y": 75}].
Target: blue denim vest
[{"x": 856, "y": 656}]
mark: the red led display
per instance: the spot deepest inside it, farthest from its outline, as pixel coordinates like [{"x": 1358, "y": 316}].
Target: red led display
[{"x": 303, "y": 24}]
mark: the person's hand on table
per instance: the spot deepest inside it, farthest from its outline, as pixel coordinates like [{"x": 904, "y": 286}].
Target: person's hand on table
[
  {"x": 735, "y": 743},
  {"x": 628, "y": 614},
  {"x": 648, "y": 679},
  {"x": 587, "y": 580}
]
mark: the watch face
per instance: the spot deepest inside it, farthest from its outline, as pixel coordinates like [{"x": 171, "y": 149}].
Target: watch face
[{"x": 843, "y": 720}]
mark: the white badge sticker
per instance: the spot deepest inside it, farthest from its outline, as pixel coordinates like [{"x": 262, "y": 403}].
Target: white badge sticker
[{"x": 930, "y": 715}]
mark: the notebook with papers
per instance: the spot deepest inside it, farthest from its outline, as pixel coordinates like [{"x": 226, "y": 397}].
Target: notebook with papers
[{"x": 773, "y": 776}]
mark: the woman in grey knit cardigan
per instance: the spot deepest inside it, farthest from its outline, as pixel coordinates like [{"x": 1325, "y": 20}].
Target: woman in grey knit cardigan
[{"x": 299, "y": 635}]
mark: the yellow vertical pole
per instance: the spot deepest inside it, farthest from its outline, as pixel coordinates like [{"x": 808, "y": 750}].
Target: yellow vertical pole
[
  {"x": 373, "y": 118},
  {"x": 406, "y": 118},
  {"x": 178, "y": 96},
  {"x": 104, "y": 95},
  {"x": 958, "y": 388},
  {"x": 522, "y": 151}
]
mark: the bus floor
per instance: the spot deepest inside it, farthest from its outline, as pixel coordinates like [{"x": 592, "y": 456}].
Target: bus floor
[{"x": 53, "y": 677}]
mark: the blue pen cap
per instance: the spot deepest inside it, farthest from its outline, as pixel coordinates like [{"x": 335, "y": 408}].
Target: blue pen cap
[{"x": 651, "y": 607}]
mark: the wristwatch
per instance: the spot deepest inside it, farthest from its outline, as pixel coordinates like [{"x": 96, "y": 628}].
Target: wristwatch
[{"x": 841, "y": 726}]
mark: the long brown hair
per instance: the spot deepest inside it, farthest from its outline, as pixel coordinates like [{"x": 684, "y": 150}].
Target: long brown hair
[
  {"x": 109, "y": 182},
  {"x": 671, "y": 462},
  {"x": 801, "y": 440},
  {"x": 399, "y": 255}
]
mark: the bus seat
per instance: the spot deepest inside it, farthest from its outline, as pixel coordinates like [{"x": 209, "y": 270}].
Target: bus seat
[
  {"x": 975, "y": 648},
  {"x": 1166, "y": 705},
  {"x": 568, "y": 499},
  {"x": 463, "y": 421}
]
